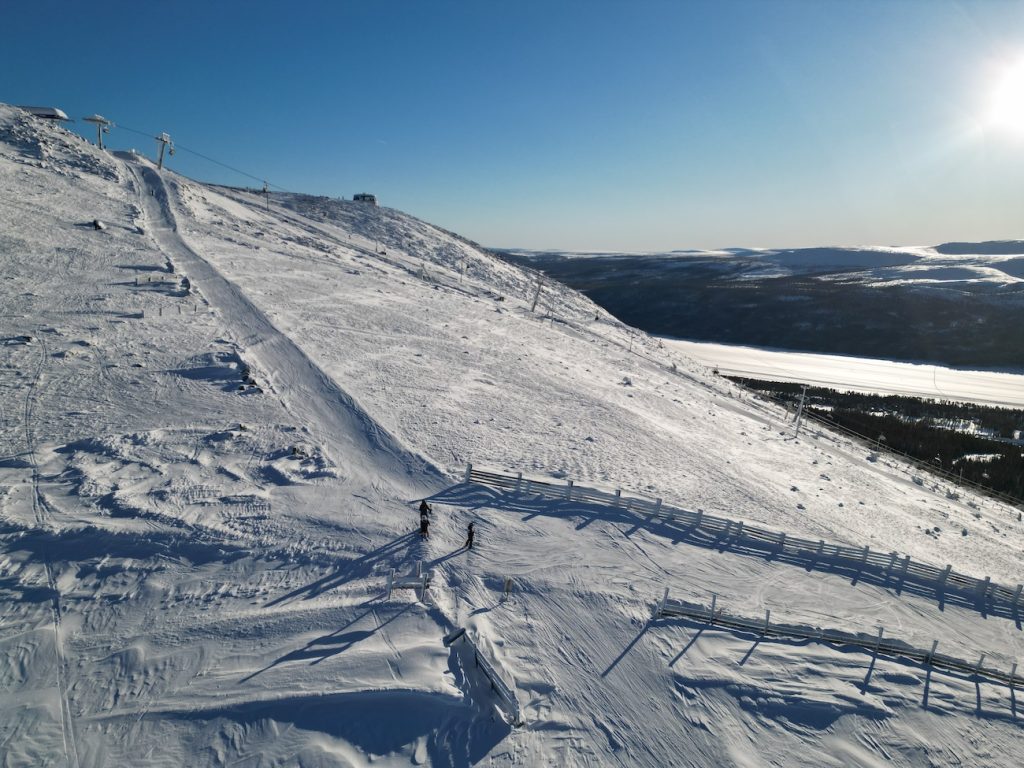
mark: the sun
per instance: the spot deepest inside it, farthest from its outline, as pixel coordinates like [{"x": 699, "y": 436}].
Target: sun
[{"x": 1007, "y": 100}]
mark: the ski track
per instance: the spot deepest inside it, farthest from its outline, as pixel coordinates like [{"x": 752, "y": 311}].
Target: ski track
[
  {"x": 305, "y": 389},
  {"x": 39, "y": 509}
]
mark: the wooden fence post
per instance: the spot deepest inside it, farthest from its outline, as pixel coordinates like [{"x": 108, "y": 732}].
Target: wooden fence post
[
  {"x": 568, "y": 491},
  {"x": 977, "y": 668},
  {"x": 983, "y": 588},
  {"x": 618, "y": 497},
  {"x": 942, "y": 579},
  {"x": 391, "y": 582},
  {"x": 657, "y": 506},
  {"x": 519, "y": 480},
  {"x": 767, "y": 618},
  {"x": 1016, "y": 598},
  {"x": 661, "y": 606},
  {"x": 469, "y": 471},
  {"x": 878, "y": 640},
  {"x": 931, "y": 653},
  {"x": 864, "y": 557},
  {"x": 714, "y": 599},
  {"x": 782, "y": 542},
  {"x": 1013, "y": 675}
]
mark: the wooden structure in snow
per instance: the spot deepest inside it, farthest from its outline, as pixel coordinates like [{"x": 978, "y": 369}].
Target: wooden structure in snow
[{"x": 47, "y": 113}]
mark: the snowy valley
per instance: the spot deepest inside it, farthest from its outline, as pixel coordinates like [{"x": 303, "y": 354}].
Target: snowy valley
[{"x": 217, "y": 420}]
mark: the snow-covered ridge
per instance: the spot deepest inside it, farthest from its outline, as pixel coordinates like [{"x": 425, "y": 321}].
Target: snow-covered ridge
[
  {"x": 204, "y": 485},
  {"x": 996, "y": 263}
]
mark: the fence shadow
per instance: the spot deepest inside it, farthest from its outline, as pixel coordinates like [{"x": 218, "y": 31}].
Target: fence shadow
[
  {"x": 324, "y": 647},
  {"x": 397, "y": 551},
  {"x": 730, "y": 538}
]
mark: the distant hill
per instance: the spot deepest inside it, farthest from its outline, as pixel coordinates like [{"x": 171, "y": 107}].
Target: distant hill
[
  {"x": 960, "y": 304},
  {"x": 990, "y": 247}
]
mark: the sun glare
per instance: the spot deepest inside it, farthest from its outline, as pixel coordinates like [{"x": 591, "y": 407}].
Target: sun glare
[{"x": 1007, "y": 109}]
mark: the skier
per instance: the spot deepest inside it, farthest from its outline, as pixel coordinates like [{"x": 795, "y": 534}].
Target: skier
[
  {"x": 425, "y": 508},
  {"x": 469, "y": 537},
  {"x": 424, "y": 525}
]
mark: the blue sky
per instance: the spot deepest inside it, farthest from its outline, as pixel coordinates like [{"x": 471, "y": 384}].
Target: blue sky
[{"x": 602, "y": 125}]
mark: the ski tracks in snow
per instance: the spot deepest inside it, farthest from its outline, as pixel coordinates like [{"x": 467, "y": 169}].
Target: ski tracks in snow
[
  {"x": 305, "y": 390},
  {"x": 39, "y": 508}
]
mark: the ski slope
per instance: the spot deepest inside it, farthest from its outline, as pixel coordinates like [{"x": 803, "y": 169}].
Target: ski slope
[{"x": 217, "y": 423}]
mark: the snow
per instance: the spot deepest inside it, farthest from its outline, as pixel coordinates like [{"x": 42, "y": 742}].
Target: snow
[
  {"x": 218, "y": 421},
  {"x": 859, "y": 374}
]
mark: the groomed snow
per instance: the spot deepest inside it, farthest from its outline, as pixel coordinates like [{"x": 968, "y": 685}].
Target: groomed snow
[{"x": 217, "y": 424}]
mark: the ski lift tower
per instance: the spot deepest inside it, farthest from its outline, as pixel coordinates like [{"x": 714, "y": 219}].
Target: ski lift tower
[
  {"x": 102, "y": 126},
  {"x": 163, "y": 140}
]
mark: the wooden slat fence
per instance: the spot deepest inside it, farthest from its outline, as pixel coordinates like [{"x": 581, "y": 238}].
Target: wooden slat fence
[
  {"x": 875, "y": 643},
  {"x": 777, "y": 544}
]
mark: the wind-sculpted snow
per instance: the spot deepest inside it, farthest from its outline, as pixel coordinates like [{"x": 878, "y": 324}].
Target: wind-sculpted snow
[
  {"x": 218, "y": 420},
  {"x": 52, "y": 148}
]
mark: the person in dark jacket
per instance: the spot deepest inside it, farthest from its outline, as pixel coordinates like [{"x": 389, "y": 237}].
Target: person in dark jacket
[
  {"x": 469, "y": 537},
  {"x": 424, "y": 526},
  {"x": 425, "y": 508}
]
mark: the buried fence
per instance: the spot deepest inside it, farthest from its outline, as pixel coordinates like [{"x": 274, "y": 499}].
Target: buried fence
[
  {"x": 507, "y": 700},
  {"x": 989, "y": 595},
  {"x": 420, "y": 581},
  {"x": 877, "y": 644}
]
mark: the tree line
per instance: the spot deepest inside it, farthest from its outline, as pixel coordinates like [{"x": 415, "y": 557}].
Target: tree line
[{"x": 964, "y": 439}]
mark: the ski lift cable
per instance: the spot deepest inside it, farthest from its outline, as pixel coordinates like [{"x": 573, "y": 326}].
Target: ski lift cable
[{"x": 208, "y": 159}]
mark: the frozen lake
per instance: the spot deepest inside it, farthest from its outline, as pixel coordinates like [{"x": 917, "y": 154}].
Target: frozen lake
[{"x": 859, "y": 374}]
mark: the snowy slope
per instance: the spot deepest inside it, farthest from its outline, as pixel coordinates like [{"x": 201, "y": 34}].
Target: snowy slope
[{"x": 217, "y": 421}]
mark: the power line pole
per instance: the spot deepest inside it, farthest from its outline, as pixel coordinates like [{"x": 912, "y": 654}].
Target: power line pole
[
  {"x": 800, "y": 410},
  {"x": 266, "y": 193},
  {"x": 536, "y": 293},
  {"x": 163, "y": 139}
]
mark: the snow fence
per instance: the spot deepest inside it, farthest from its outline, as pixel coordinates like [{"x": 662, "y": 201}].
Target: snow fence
[
  {"x": 987, "y": 595},
  {"x": 875, "y": 643},
  {"x": 507, "y": 700}
]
